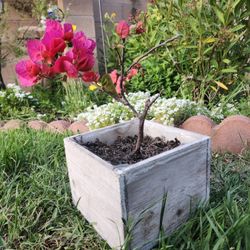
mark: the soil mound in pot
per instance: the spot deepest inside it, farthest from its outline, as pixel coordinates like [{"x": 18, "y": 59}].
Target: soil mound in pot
[{"x": 120, "y": 151}]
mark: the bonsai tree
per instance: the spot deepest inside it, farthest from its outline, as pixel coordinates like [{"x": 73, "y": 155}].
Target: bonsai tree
[
  {"x": 62, "y": 51},
  {"x": 115, "y": 83}
]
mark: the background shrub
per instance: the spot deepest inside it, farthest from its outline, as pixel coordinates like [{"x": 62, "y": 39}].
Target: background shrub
[
  {"x": 209, "y": 60},
  {"x": 22, "y": 5},
  {"x": 35, "y": 8},
  {"x": 78, "y": 97},
  {"x": 15, "y": 103}
]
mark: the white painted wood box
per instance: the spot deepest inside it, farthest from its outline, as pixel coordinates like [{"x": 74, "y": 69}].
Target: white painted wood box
[{"x": 106, "y": 194}]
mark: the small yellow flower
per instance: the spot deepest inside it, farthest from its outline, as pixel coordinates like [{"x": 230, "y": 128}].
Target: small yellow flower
[
  {"x": 113, "y": 15},
  {"x": 92, "y": 87},
  {"x": 73, "y": 27}
]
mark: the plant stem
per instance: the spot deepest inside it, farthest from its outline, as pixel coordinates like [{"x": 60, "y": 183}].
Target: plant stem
[
  {"x": 142, "y": 118},
  {"x": 124, "y": 99}
]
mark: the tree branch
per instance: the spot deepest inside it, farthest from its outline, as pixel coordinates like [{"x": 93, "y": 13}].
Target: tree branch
[
  {"x": 142, "y": 119},
  {"x": 125, "y": 101},
  {"x": 152, "y": 50},
  {"x": 148, "y": 105},
  {"x": 119, "y": 56}
]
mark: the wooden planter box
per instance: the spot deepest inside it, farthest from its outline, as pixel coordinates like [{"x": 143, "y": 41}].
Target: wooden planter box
[{"x": 107, "y": 195}]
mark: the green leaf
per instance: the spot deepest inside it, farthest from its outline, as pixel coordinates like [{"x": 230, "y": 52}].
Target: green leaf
[
  {"x": 214, "y": 63},
  {"x": 229, "y": 70},
  {"x": 227, "y": 61},
  {"x": 208, "y": 50},
  {"x": 238, "y": 27},
  {"x": 219, "y": 14},
  {"x": 188, "y": 47},
  {"x": 235, "y": 4},
  {"x": 152, "y": 38},
  {"x": 193, "y": 25}
]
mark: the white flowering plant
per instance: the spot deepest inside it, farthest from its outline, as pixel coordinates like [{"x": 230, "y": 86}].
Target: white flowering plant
[
  {"x": 223, "y": 110},
  {"x": 16, "y": 102},
  {"x": 171, "y": 111}
]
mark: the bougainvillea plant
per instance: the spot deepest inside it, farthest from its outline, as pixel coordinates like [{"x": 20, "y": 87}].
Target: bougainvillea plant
[
  {"x": 63, "y": 51},
  {"x": 59, "y": 51}
]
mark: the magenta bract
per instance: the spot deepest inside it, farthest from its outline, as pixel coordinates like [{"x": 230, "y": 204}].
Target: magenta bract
[
  {"x": 49, "y": 56},
  {"x": 27, "y": 72},
  {"x": 90, "y": 76}
]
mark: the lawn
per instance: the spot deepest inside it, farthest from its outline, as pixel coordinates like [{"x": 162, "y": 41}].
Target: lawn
[{"x": 36, "y": 211}]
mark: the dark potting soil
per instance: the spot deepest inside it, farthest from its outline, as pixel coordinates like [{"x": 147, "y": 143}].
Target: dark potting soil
[{"x": 120, "y": 151}]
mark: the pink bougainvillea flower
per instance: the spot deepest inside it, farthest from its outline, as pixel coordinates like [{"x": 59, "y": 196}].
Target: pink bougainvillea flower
[
  {"x": 114, "y": 76},
  {"x": 53, "y": 29},
  {"x": 47, "y": 71},
  {"x": 122, "y": 29},
  {"x": 118, "y": 86},
  {"x": 90, "y": 76},
  {"x": 75, "y": 60},
  {"x": 27, "y": 73},
  {"x": 82, "y": 52},
  {"x": 52, "y": 43},
  {"x": 64, "y": 65},
  {"x": 48, "y": 57},
  {"x": 81, "y": 41},
  {"x": 56, "y": 46},
  {"x": 116, "y": 79},
  {"x": 39, "y": 52},
  {"x": 36, "y": 50},
  {"x": 132, "y": 73},
  {"x": 68, "y": 32},
  {"x": 84, "y": 61},
  {"x": 139, "y": 28}
]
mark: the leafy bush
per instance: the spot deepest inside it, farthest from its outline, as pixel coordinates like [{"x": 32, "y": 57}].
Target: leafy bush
[
  {"x": 15, "y": 103},
  {"x": 35, "y": 8},
  {"x": 22, "y": 5},
  {"x": 78, "y": 97},
  {"x": 51, "y": 97},
  {"x": 59, "y": 99},
  {"x": 39, "y": 8},
  {"x": 244, "y": 107},
  {"x": 211, "y": 56}
]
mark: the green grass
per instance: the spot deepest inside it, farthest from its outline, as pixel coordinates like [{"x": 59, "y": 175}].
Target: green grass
[
  {"x": 36, "y": 211},
  {"x": 35, "y": 205}
]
